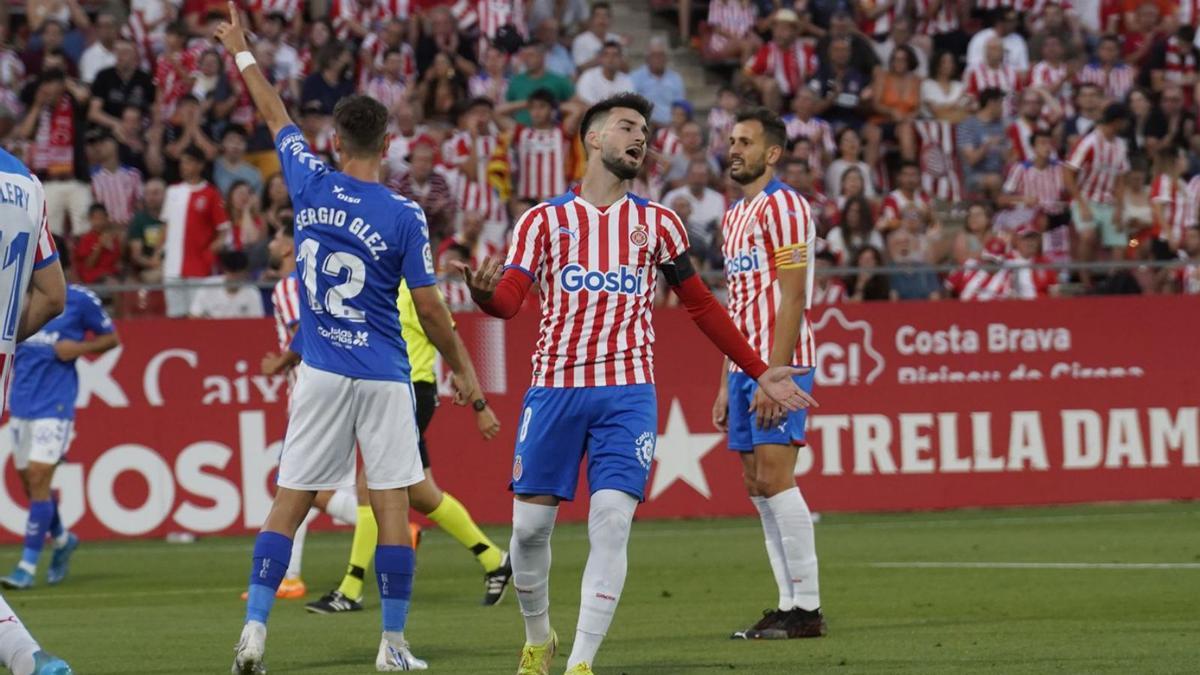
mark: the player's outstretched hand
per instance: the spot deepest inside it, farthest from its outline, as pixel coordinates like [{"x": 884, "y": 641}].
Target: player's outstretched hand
[
  {"x": 777, "y": 384},
  {"x": 482, "y": 281},
  {"x": 489, "y": 424},
  {"x": 231, "y": 33}
]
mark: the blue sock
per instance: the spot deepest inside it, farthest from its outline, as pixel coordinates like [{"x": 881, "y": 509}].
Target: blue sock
[
  {"x": 56, "y": 525},
  {"x": 394, "y": 572},
  {"x": 40, "y": 515},
  {"x": 272, "y": 551}
]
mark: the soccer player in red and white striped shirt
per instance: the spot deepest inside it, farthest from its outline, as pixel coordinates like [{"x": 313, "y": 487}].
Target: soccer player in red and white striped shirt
[
  {"x": 1096, "y": 168},
  {"x": 596, "y": 255},
  {"x": 769, "y": 244},
  {"x": 1115, "y": 79}
]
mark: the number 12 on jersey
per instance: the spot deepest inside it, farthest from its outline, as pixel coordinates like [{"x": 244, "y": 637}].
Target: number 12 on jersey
[{"x": 335, "y": 265}]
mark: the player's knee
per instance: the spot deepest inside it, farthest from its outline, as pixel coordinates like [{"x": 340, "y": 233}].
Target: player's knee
[
  {"x": 770, "y": 480},
  {"x": 610, "y": 518},
  {"x": 532, "y": 533}
]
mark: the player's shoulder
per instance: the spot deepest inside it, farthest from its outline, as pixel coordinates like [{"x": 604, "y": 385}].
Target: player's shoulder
[
  {"x": 9, "y": 164},
  {"x": 786, "y": 197}
]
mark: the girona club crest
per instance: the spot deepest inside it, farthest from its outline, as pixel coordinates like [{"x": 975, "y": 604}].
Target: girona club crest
[{"x": 638, "y": 236}]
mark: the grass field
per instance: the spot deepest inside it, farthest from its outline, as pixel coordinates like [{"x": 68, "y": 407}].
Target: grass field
[{"x": 1074, "y": 603}]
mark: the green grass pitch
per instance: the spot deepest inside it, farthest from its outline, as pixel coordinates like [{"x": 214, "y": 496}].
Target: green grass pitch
[{"x": 153, "y": 607}]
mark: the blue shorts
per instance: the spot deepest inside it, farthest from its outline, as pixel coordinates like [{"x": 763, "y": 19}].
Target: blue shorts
[
  {"x": 744, "y": 433},
  {"x": 615, "y": 426}
]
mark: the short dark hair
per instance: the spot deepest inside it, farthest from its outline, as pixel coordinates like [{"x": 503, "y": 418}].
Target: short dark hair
[
  {"x": 599, "y": 111},
  {"x": 544, "y": 95},
  {"x": 910, "y": 53},
  {"x": 598, "y": 6},
  {"x": 773, "y": 128},
  {"x": 361, "y": 123},
  {"x": 192, "y": 152},
  {"x": 233, "y": 261},
  {"x": 613, "y": 44},
  {"x": 1115, "y": 112},
  {"x": 1040, "y": 133},
  {"x": 97, "y": 208},
  {"x": 233, "y": 130},
  {"x": 908, "y": 164},
  {"x": 990, "y": 94}
]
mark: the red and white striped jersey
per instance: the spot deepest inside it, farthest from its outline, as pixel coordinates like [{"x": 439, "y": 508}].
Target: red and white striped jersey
[
  {"x": 147, "y": 44},
  {"x": 489, "y": 15},
  {"x": 881, "y": 26},
  {"x": 667, "y": 143},
  {"x": 372, "y": 55},
  {"x": 541, "y": 156},
  {"x": 897, "y": 205},
  {"x": 941, "y": 172},
  {"x": 990, "y": 5},
  {"x": 1099, "y": 162},
  {"x": 119, "y": 191},
  {"x": 286, "y": 298},
  {"x": 195, "y": 215},
  {"x": 596, "y": 271},
  {"x": 1171, "y": 194},
  {"x": 1115, "y": 83},
  {"x": 1055, "y": 79},
  {"x": 477, "y": 194},
  {"x": 832, "y": 293},
  {"x": 1193, "y": 201},
  {"x": 975, "y": 283},
  {"x": 815, "y": 129},
  {"x": 1005, "y": 78},
  {"x": 1189, "y": 279},
  {"x": 735, "y": 17},
  {"x": 1189, "y": 15},
  {"x": 720, "y": 125},
  {"x": 791, "y": 67},
  {"x": 1026, "y": 282},
  {"x": 1020, "y": 136},
  {"x": 372, "y": 14},
  {"x": 388, "y": 92},
  {"x": 944, "y": 20},
  {"x": 25, "y": 246},
  {"x": 288, "y": 8},
  {"x": 1044, "y": 184},
  {"x": 1179, "y": 60},
  {"x": 171, "y": 75},
  {"x": 771, "y": 231}
]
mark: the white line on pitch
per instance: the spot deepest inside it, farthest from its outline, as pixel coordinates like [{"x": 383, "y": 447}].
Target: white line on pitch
[{"x": 1035, "y": 565}]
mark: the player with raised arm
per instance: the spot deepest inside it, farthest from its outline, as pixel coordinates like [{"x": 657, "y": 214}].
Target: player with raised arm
[
  {"x": 769, "y": 239},
  {"x": 32, "y": 292},
  {"x": 356, "y": 241},
  {"x": 595, "y": 254},
  {"x": 45, "y": 384}
]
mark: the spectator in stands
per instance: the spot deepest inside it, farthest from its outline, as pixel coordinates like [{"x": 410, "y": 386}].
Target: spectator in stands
[
  {"x": 977, "y": 230},
  {"x": 439, "y": 35},
  {"x": 707, "y": 206},
  {"x": 329, "y": 83},
  {"x": 604, "y": 80},
  {"x": 658, "y": 83},
  {"x": 912, "y": 281},
  {"x": 1187, "y": 278},
  {"x": 869, "y": 285},
  {"x": 97, "y": 256},
  {"x": 691, "y": 138},
  {"x": 1095, "y": 170},
  {"x": 586, "y": 48},
  {"x": 196, "y": 220},
  {"x": 116, "y": 187},
  {"x": 1089, "y": 106},
  {"x": 1016, "y": 52},
  {"x": 287, "y": 60},
  {"x": 896, "y": 99},
  {"x": 902, "y": 36},
  {"x": 1114, "y": 77},
  {"x": 134, "y": 147},
  {"x": 844, "y": 90},
  {"x": 146, "y": 234},
  {"x": 850, "y": 155},
  {"x": 230, "y": 166},
  {"x": 53, "y": 34},
  {"x": 983, "y": 144},
  {"x": 247, "y": 230},
  {"x": 907, "y": 206},
  {"x": 1135, "y": 214},
  {"x": 535, "y": 77},
  {"x": 1147, "y": 125},
  {"x": 99, "y": 55},
  {"x": 212, "y": 88},
  {"x": 853, "y": 186},
  {"x": 827, "y": 289},
  {"x": 442, "y": 88},
  {"x": 428, "y": 188},
  {"x": 1181, "y": 126},
  {"x": 55, "y": 124},
  {"x": 121, "y": 85},
  {"x": 558, "y": 57},
  {"x": 944, "y": 96},
  {"x": 731, "y": 31},
  {"x": 273, "y": 198},
  {"x": 1028, "y": 283},
  {"x": 230, "y": 295},
  {"x": 490, "y": 82},
  {"x": 720, "y": 123},
  {"x": 781, "y": 66}
]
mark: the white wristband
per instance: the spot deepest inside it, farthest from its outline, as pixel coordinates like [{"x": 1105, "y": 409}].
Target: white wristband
[{"x": 244, "y": 60}]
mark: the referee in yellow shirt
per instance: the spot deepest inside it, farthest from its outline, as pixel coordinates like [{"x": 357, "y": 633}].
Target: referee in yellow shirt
[{"x": 425, "y": 497}]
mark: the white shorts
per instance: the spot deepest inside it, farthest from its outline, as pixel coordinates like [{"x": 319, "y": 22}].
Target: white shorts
[
  {"x": 42, "y": 440},
  {"x": 328, "y": 413}
]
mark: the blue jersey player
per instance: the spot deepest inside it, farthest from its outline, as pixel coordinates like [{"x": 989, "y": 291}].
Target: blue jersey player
[
  {"x": 44, "y": 386},
  {"x": 355, "y": 242}
]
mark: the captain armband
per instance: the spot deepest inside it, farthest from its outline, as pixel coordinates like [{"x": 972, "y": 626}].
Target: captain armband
[{"x": 793, "y": 256}]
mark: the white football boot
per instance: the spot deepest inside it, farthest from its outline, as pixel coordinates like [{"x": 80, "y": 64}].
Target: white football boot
[
  {"x": 394, "y": 656},
  {"x": 248, "y": 659}
]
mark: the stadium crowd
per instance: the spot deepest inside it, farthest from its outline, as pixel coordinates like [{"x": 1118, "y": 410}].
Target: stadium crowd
[{"x": 987, "y": 135}]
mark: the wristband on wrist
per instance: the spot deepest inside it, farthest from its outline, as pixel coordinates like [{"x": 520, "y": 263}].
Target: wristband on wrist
[{"x": 244, "y": 60}]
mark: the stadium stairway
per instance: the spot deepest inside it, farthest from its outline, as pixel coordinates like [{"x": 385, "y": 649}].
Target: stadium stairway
[{"x": 638, "y": 22}]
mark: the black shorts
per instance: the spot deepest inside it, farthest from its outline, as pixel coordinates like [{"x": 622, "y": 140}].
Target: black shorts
[{"x": 426, "y": 396}]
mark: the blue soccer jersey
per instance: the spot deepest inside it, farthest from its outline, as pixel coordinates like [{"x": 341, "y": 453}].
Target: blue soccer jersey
[
  {"x": 42, "y": 385},
  {"x": 355, "y": 241}
]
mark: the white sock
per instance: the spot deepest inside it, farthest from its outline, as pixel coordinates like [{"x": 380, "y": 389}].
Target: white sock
[
  {"x": 775, "y": 552},
  {"x": 17, "y": 646},
  {"x": 343, "y": 506},
  {"x": 609, "y": 518},
  {"x": 293, "y": 570},
  {"x": 529, "y": 552},
  {"x": 799, "y": 546}
]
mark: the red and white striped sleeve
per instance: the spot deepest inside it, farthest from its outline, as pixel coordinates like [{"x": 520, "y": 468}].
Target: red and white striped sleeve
[
  {"x": 790, "y": 230},
  {"x": 1015, "y": 181},
  {"x": 287, "y": 300},
  {"x": 672, "y": 236},
  {"x": 1160, "y": 189},
  {"x": 46, "y": 252},
  {"x": 890, "y": 210},
  {"x": 1083, "y": 152},
  {"x": 529, "y": 242}
]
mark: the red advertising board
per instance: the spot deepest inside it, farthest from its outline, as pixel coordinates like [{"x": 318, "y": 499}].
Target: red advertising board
[{"x": 923, "y": 406}]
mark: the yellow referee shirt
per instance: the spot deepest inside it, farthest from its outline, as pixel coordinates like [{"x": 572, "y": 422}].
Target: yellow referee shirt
[{"x": 421, "y": 352}]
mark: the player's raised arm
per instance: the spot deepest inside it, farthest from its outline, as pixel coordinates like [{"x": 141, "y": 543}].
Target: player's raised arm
[{"x": 265, "y": 98}]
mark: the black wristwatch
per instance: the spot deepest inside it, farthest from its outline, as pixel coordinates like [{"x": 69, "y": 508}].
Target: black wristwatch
[{"x": 479, "y": 404}]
